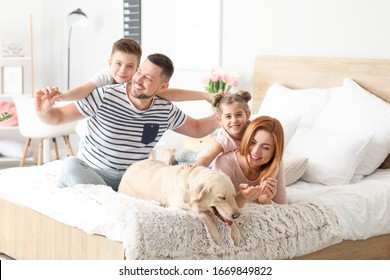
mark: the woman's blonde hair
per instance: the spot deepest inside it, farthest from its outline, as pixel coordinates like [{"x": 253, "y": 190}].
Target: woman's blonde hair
[
  {"x": 275, "y": 128},
  {"x": 241, "y": 97}
]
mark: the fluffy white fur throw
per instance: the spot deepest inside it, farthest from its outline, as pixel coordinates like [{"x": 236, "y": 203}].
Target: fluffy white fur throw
[
  {"x": 268, "y": 232},
  {"x": 149, "y": 231}
]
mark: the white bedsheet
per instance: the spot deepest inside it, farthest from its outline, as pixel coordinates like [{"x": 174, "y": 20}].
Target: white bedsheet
[
  {"x": 363, "y": 207},
  {"x": 37, "y": 188}
]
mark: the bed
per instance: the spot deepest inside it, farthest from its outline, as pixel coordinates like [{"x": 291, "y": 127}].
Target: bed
[{"x": 325, "y": 219}]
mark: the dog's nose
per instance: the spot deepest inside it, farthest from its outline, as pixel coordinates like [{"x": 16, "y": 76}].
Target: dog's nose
[{"x": 235, "y": 216}]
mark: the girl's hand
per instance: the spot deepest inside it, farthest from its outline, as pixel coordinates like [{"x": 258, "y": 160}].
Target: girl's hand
[
  {"x": 190, "y": 165},
  {"x": 223, "y": 92}
]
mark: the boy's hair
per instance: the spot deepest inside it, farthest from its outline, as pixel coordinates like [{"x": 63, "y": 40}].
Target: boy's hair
[
  {"x": 275, "y": 128},
  {"x": 128, "y": 46},
  {"x": 164, "y": 62},
  {"x": 241, "y": 97}
]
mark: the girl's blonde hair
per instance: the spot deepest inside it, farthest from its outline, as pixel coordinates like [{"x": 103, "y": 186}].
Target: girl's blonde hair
[
  {"x": 241, "y": 97},
  {"x": 275, "y": 128}
]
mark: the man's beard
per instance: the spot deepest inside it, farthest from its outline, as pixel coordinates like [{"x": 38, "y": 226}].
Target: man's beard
[{"x": 144, "y": 96}]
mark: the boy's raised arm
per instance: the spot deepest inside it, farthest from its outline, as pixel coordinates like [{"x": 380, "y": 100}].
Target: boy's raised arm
[
  {"x": 44, "y": 100},
  {"x": 77, "y": 93}
]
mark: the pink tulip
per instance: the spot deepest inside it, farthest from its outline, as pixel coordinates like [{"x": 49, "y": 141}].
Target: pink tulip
[
  {"x": 206, "y": 79},
  {"x": 219, "y": 79},
  {"x": 233, "y": 83},
  {"x": 226, "y": 77},
  {"x": 215, "y": 75}
]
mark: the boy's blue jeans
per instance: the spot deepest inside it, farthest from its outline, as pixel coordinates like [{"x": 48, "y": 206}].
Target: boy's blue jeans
[{"x": 75, "y": 171}]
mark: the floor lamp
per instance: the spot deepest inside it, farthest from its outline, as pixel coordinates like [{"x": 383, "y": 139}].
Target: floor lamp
[{"x": 76, "y": 18}]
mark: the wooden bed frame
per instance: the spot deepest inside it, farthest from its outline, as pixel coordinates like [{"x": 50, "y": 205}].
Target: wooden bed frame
[{"x": 26, "y": 234}]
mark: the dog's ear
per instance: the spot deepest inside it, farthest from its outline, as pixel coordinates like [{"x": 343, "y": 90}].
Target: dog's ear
[
  {"x": 199, "y": 192},
  {"x": 187, "y": 195},
  {"x": 197, "y": 186},
  {"x": 187, "y": 190}
]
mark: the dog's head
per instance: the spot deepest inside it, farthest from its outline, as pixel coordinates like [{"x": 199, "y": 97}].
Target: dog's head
[{"x": 212, "y": 190}]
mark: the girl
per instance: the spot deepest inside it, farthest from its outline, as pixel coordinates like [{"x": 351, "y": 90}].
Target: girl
[
  {"x": 232, "y": 113},
  {"x": 256, "y": 168}
]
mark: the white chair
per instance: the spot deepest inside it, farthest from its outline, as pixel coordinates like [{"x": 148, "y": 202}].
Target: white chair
[{"x": 31, "y": 127}]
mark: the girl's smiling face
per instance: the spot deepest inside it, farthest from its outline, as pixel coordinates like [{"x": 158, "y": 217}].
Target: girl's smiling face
[{"x": 233, "y": 119}]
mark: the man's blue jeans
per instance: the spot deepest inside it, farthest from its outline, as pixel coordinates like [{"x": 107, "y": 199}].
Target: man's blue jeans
[{"x": 75, "y": 171}]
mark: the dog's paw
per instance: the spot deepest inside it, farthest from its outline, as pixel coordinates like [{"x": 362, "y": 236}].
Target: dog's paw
[
  {"x": 236, "y": 235},
  {"x": 236, "y": 239},
  {"x": 215, "y": 234},
  {"x": 216, "y": 238}
]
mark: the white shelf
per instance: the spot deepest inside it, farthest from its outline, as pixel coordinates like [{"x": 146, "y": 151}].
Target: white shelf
[
  {"x": 14, "y": 58},
  {"x": 16, "y": 30}
]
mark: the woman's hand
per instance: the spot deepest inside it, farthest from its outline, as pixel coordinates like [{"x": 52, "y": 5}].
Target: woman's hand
[
  {"x": 268, "y": 188},
  {"x": 250, "y": 192}
]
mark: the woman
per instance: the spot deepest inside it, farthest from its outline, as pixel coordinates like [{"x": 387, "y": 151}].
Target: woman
[{"x": 256, "y": 168}]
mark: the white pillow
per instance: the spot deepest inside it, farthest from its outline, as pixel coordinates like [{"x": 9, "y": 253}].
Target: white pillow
[
  {"x": 353, "y": 109},
  {"x": 304, "y": 105},
  {"x": 294, "y": 167},
  {"x": 289, "y": 127},
  {"x": 333, "y": 156},
  {"x": 9, "y": 148}
]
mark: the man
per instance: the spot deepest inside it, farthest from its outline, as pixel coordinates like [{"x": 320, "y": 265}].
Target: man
[{"x": 125, "y": 123}]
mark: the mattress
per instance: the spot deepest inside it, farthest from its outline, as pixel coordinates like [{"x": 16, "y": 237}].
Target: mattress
[{"x": 362, "y": 211}]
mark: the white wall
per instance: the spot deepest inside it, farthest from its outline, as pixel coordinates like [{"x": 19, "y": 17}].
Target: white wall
[
  {"x": 341, "y": 28},
  {"x": 90, "y": 46},
  {"x": 349, "y": 28},
  {"x": 354, "y": 28}
]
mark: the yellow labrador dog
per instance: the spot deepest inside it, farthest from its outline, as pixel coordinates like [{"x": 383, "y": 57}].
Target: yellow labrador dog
[{"x": 199, "y": 190}]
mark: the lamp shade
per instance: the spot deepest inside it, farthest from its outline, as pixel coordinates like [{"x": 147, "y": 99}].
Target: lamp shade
[{"x": 77, "y": 18}]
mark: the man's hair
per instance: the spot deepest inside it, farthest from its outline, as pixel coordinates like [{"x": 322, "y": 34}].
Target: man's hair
[
  {"x": 164, "y": 62},
  {"x": 128, "y": 46}
]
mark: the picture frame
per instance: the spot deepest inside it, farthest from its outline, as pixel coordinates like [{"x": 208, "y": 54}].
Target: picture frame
[{"x": 12, "y": 80}]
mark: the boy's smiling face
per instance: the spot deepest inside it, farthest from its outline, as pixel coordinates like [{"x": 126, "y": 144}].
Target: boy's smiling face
[{"x": 122, "y": 66}]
